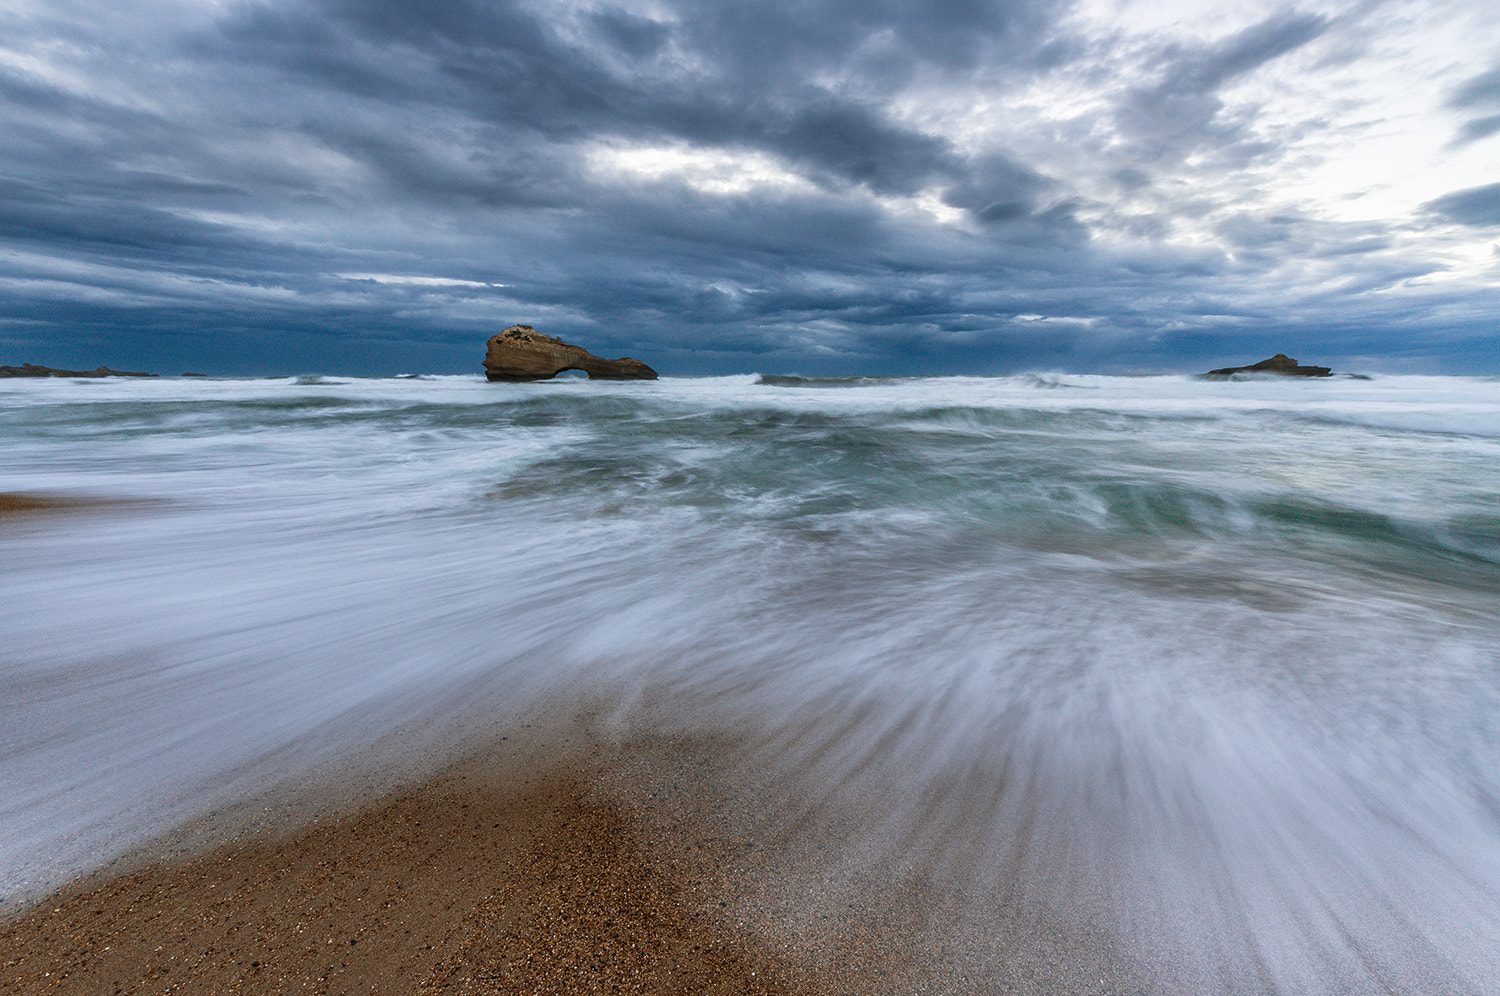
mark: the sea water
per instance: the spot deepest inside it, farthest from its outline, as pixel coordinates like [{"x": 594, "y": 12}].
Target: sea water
[{"x": 1216, "y": 661}]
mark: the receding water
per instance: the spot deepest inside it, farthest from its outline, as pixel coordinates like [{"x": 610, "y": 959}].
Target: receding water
[{"x": 1218, "y": 662}]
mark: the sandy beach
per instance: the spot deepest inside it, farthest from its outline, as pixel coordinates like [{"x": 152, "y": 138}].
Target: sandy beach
[
  {"x": 540, "y": 864},
  {"x": 509, "y": 872},
  {"x": 466, "y": 884},
  {"x": 565, "y": 856}
]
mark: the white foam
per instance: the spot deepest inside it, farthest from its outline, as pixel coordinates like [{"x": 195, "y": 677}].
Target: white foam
[{"x": 1201, "y": 650}]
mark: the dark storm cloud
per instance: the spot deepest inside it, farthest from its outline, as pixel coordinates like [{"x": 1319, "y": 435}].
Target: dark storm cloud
[
  {"x": 379, "y": 183},
  {"x": 853, "y": 143},
  {"x": 996, "y": 189},
  {"x": 498, "y": 64},
  {"x": 107, "y": 222},
  {"x": 880, "y": 42}
]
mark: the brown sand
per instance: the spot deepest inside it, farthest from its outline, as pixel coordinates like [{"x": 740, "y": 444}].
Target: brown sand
[
  {"x": 19, "y": 502},
  {"x": 573, "y": 864},
  {"x": 463, "y": 885},
  {"x": 604, "y": 870},
  {"x": 13, "y": 502}
]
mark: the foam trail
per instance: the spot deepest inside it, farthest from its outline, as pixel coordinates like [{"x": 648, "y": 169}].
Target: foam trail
[{"x": 1209, "y": 666}]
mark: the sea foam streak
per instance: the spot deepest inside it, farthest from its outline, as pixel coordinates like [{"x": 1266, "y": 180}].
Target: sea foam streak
[{"x": 1212, "y": 665}]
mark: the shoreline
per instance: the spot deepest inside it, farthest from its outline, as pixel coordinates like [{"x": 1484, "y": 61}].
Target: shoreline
[
  {"x": 505, "y": 872},
  {"x": 537, "y": 854},
  {"x": 543, "y": 862},
  {"x": 550, "y": 851}
]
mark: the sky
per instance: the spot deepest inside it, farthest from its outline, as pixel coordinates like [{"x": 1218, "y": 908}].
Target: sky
[{"x": 775, "y": 186}]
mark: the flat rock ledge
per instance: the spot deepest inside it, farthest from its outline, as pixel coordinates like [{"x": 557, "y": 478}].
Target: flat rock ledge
[
  {"x": 1280, "y": 364},
  {"x": 522, "y": 353},
  {"x": 32, "y": 370}
]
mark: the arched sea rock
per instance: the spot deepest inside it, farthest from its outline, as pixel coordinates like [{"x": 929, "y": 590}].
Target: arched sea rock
[{"x": 522, "y": 353}]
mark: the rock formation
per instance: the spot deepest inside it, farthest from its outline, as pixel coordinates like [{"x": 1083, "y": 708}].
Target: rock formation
[
  {"x": 1278, "y": 364},
  {"x": 32, "y": 370},
  {"x": 522, "y": 353}
]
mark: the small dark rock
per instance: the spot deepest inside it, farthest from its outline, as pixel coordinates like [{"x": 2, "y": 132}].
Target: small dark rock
[
  {"x": 32, "y": 370},
  {"x": 1280, "y": 364}
]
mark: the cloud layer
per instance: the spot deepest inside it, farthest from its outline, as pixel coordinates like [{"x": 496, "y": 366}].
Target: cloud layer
[{"x": 825, "y": 186}]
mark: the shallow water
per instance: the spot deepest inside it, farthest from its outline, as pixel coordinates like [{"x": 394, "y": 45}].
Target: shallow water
[{"x": 1211, "y": 664}]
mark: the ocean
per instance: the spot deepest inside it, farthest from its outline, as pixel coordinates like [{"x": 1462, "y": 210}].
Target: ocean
[{"x": 1210, "y": 666}]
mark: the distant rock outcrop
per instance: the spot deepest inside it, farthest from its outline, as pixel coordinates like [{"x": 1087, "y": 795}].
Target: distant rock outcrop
[
  {"x": 522, "y": 353},
  {"x": 1279, "y": 364},
  {"x": 32, "y": 370}
]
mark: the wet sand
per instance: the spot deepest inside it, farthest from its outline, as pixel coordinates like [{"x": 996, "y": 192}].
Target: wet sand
[
  {"x": 553, "y": 860},
  {"x": 18, "y": 502},
  {"x": 465, "y": 884},
  {"x": 602, "y": 871}
]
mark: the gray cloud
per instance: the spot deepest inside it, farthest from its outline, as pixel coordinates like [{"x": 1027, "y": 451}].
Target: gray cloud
[
  {"x": 497, "y": 63},
  {"x": 1474, "y": 206},
  {"x": 375, "y": 184},
  {"x": 1478, "y": 128},
  {"x": 1478, "y": 93},
  {"x": 1176, "y": 113}
]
